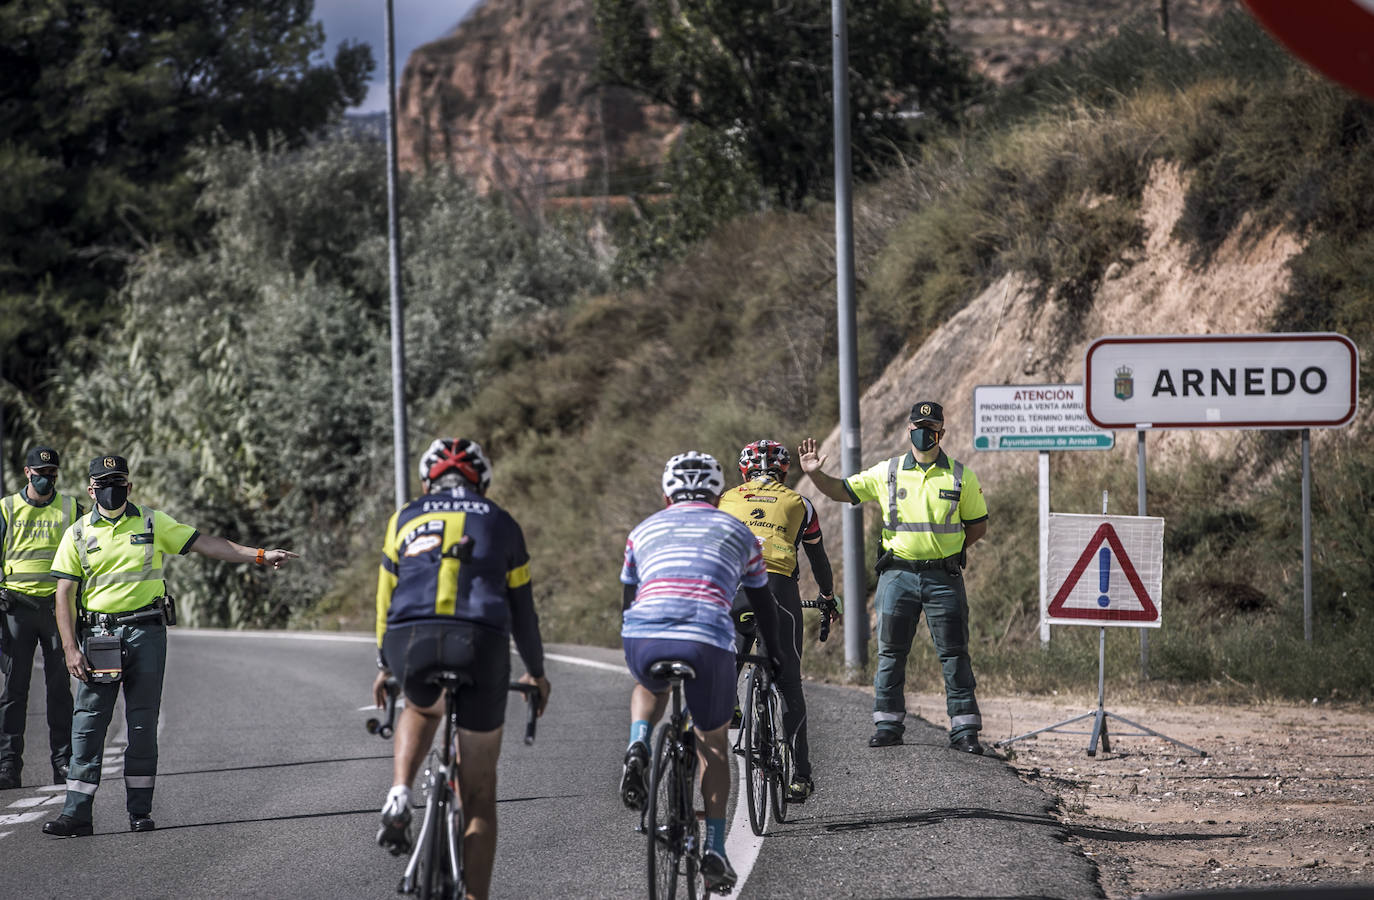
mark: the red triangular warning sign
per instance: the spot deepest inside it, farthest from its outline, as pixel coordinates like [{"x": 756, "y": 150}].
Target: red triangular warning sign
[{"x": 1148, "y": 611}]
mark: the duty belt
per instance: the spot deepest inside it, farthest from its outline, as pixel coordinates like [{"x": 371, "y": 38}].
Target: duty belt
[
  {"x": 9, "y": 599},
  {"x": 920, "y": 565},
  {"x": 152, "y": 612}
]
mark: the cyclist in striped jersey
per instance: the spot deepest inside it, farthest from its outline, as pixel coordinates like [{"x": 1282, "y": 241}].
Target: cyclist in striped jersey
[{"x": 682, "y": 566}]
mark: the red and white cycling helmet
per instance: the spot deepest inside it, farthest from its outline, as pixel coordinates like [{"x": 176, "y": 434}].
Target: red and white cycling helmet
[
  {"x": 456, "y": 455},
  {"x": 693, "y": 476},
  {"x": 764, "y": 456}
]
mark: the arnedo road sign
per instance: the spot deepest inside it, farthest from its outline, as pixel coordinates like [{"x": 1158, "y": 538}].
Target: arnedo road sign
[
  {"x": 1034, "y": 417},
  {"x": 1222, "y": 381}
]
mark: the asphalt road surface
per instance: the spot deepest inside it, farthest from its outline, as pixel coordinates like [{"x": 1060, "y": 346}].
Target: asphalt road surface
[{"x": 268, "y": 786}]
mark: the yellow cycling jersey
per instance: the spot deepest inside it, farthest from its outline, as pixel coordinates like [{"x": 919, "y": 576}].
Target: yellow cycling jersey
[{"x": 779, "y": 517}]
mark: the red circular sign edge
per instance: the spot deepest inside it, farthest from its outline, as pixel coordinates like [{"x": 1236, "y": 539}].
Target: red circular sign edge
[{"x": 1335, "y": 37}]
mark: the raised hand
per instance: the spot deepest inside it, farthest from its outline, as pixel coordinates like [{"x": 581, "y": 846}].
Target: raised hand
[{"x": 807, "y": 456}]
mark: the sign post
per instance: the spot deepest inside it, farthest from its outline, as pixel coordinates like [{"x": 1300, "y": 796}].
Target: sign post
[
  {"x": 1041, "y": 417},
  {"x": 1240, "y": 381},
  {"x": 1105, "y": 571}
]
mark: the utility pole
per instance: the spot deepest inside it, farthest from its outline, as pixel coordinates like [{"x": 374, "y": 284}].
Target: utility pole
[
  {"x": 856, "y": 622},
  {"x": 393, "y": 235}
]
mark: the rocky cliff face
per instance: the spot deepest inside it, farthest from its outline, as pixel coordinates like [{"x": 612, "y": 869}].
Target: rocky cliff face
[{"x": 509, "y": 98}]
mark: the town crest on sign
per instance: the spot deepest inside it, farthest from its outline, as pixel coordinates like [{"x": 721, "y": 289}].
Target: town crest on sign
[{"x": 1124, "y": 385}]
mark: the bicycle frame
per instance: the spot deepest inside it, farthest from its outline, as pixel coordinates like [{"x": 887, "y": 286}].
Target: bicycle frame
[
  {"x": 764, "y": 745},
  {"x": 435, "y": 866},
  {"x": 674, "y": 830}
]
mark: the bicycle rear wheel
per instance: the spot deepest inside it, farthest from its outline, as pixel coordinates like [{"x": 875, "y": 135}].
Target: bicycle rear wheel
[
  {"x": 665, "y": 837},
  {"x": 781, "y": 778},
  {"x": 433, "y": 852},
  {"x": 756, "y": 750}
]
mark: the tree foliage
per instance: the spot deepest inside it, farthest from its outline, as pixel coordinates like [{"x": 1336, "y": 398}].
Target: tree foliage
[
  {"x": 99, "y": 103},
  {"x": 761, "y": 69},
  {"x": 249, "y": 382}
]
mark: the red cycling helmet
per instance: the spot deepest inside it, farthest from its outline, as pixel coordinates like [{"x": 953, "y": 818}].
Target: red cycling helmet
[
  {"x": 764, "y": 456},
  {"x": 456, "y": 455}
]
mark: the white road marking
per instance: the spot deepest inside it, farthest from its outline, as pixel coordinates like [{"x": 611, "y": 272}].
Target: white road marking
[
  {"x": 20, "y": 818},
  {"x": 589, "y": 663},
  {"x": 53, "y": 787},
  {"x": 26, "y": 802}
]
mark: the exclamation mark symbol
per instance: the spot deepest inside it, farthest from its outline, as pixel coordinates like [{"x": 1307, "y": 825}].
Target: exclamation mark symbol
[{"x": 1104, "y": 562}]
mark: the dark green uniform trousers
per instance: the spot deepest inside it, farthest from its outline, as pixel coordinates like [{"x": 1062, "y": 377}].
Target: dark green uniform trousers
[
  {"x": 900, "y": 599},
  {"x": 22, "y": 632},
  {"x": 145, "y": 660}
]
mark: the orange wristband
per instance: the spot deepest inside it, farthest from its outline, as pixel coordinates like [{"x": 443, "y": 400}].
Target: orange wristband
[{"x": 262, "y": 557}]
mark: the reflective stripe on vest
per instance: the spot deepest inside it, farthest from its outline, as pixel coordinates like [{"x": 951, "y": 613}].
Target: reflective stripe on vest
[
  {"x": 86, "y": 545},
  {"x": 11, "y": 554},
  {"x": 894, "y": 522}
]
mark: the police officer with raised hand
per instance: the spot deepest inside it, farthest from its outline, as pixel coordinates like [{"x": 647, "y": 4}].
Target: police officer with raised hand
[
  {"x": 933, "y": 511},
  {"x": 31, "y": 524},
  {"x": 116, "y": 555}
]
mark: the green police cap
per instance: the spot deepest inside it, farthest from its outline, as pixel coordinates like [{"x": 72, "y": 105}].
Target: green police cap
[
  {"x": 41, "y": 458},
  {"x": 928, "y": 411},
  {"x": 109, "y": 465}
]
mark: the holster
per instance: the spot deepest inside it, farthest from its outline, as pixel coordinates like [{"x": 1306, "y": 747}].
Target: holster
[
  {"x": 884, "y": 562},
  {"x": 11, "y": 599}
]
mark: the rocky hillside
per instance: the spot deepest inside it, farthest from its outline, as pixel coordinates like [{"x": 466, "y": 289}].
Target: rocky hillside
[{"x": 509, "y": 98}]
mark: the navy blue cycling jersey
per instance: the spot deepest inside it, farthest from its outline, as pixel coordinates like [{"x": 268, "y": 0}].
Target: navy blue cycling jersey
[{"x": 457, "y": 555}]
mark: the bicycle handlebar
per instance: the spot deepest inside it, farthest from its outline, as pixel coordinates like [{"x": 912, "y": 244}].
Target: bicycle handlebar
[
  {"x": 385, "y": 728},
  {"x": 531, "y": 693},
  {"x": 828, "y": 608}
]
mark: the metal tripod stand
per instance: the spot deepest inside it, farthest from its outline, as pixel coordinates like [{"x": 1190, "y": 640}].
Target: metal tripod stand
[{"x": 1100, "y": 716}]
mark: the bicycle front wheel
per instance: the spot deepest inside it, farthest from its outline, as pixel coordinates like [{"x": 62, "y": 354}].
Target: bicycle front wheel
[
  {"x": 665, "y": 833},
  {"x": 756, "y": 749},
  {"x": 781, "y": 778}
]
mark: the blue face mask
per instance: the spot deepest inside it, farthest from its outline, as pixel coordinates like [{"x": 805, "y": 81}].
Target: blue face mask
[
  {"x": 43, "y": 484},
  {"x": 923, "y": 438}
]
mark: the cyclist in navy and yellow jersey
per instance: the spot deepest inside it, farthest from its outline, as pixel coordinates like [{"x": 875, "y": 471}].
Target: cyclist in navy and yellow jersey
[
  {"x": 782, "y": 520},
  {"x": 454, "y": 587}
]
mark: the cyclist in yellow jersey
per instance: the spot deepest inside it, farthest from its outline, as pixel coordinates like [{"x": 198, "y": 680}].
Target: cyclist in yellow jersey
[{"x": 782, "y": 520}]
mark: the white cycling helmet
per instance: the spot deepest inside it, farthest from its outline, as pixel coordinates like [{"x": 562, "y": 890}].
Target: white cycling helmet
[
  {"x": 692, "y": 476},
  {"x": 456, "y": 455}
]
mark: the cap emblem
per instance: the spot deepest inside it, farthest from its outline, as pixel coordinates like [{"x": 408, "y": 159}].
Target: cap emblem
[
  {"x": 45, "y": 456},
  {"x": 109, "y": 462},
  {"x": 925, "y": 409}
]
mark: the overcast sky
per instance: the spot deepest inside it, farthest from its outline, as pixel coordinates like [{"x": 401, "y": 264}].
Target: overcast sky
[{"x": 417, "y": 22}]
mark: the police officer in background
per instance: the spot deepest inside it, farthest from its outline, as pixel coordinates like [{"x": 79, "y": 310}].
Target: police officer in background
[
  {"x": 31, "y": 524},
  {"x": 117, "y": 554},
  {"x": 933, "y": 511}
]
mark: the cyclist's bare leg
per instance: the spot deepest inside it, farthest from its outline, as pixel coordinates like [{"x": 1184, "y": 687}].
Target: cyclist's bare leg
[
  {"x": 713, "y": 752},
  {"x": 645, "y": 704},
  {"x": 414, "y": 736},
  {"x": 477, "y": 755}
]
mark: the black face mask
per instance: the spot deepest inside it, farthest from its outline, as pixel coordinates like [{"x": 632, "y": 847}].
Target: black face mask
[
  {"x": 923, "y": 438},
  {"x": 43, "y": 484},
  {"x": 111, "y": 496}
]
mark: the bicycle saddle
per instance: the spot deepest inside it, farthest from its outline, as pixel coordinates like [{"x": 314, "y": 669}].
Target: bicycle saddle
[
  {"x": 447, "y": 678},
  {"x": 672, "y": 670}
]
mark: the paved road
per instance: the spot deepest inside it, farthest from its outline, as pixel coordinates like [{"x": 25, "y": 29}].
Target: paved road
[{"x": 269, "y": 787}]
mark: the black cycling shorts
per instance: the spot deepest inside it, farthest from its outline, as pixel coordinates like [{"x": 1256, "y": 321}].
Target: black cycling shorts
[{"x": 483, "y": 654}]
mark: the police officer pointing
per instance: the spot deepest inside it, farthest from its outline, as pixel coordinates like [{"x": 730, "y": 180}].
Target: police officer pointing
[
  {"x": 31, "y": 524},
  {"x": 933, "y": 511},
  {"x": 117, "y": 554}
]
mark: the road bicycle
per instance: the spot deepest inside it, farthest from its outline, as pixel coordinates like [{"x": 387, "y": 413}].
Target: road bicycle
[
  {"x": 669, "y": 819},
  {"x": 764, "y": 746},
  {"x": 434, "y": 870}
]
